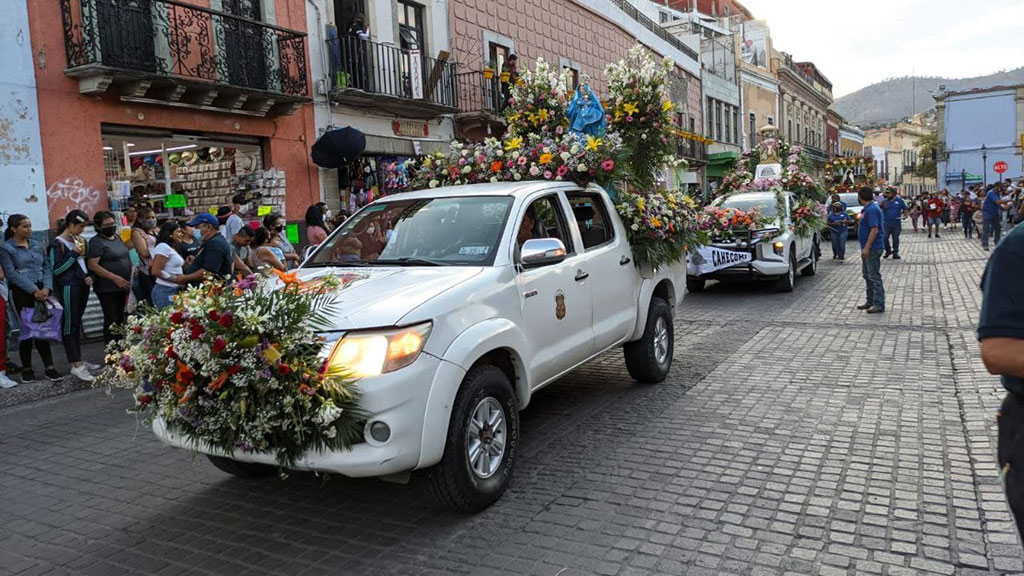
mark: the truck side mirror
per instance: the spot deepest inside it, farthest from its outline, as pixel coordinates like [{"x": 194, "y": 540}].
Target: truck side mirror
[{"x": 541, "y": 252}]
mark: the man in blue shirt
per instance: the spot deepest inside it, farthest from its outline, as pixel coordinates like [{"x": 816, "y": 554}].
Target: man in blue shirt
[
  {"x": 991, "y": 213},
  {"x": 893, "y": 210},
  {"x": 870, "y": 233},
  {"x": 215, "y": 258},
  {"x": 1001, "y": 333}
]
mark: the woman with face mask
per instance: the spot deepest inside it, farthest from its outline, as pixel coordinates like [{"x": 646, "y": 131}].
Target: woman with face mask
[
  {"x": 143, "y": 241},
  {"x": 316, "y": 229},
  {"x": 191, "y": 242},
  {"x": 275, "y": 224},
  {"x": 110, "y": 264}
]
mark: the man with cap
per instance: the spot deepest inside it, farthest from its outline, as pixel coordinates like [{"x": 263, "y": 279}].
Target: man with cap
[
  {"x": 235, "y": 222},
  {"x": 215, "y": 257}
]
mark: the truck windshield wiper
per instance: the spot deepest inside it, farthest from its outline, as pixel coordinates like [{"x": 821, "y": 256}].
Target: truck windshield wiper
[
  {"x": 336, "y": 264},
  {"x": 409, "y": 261}
]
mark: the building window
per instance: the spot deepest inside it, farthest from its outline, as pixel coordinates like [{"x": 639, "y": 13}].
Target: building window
[
  {"x": 711, "y": 118},
  {"x": 718, "y": 120},
  {"x": 789, "y": 129},
  {"x": 728, "y": 125},
  {"x": 771, "y": 121},
  {"x": 735, "y": 125},
  {"x": 753, "y": 130},
  {"x": 411, "y": 26}
]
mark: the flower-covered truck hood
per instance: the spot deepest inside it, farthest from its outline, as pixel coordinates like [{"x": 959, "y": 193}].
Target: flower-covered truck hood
[{"x": 373, "y": 297}]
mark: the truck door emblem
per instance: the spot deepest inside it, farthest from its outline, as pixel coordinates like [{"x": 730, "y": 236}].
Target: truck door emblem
[{"x": 559, "y": 305}]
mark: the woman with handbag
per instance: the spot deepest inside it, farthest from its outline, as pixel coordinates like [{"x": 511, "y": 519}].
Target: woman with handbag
[
  {"x": 31, "y": 280},
  {"x": 67, "y": 258},
  {"x": 110, "y": 264}
]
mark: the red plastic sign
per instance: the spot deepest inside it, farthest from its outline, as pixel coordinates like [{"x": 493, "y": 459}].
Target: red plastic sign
[{"x": 1000, "y": 167}]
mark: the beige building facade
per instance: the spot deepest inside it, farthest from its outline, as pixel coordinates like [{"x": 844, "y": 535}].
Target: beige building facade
[
  {"x": 902, "y": 159},
  {"x": 805, "y": 95},
  {"x": 759, "y": 87}
]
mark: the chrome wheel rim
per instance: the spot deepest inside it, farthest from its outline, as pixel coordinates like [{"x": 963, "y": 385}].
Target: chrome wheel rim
[
  {"x": 661, "y": 342},
  {"x": 486, "y": 438}
]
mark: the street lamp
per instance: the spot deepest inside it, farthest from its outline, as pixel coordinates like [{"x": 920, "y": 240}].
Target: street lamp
[{"x": 984, "y": 166}]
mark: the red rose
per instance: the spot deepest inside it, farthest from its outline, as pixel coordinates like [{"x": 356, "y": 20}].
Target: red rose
[
  {"x": 178, "y": 317},
  {"x": 137, "y": 329},
  {"x": 226, "y": 321},
  {"x": 145, "y": 399},
  {"x": 284, "y": 369},
  {"x": 219, "y": 344},
  {"x": 213, "y": 315},
  {"x": 170, "y": 353},
  {"x": 197, "y": 331},
  {"x": 234, "y": 369}
]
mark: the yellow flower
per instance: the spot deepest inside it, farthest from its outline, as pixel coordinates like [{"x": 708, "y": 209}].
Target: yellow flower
[
  {"x": 513, "y": 143},
  {"x": 667, "y": 105},
  {"x": 630, "y": 108},
  {"x": 546, "y": 158},
  {"x": 542, "y": 114},
  {"x": 513, "y": 117},
  {"x": 593, "y": 143},
  {"x": 640, "y": 203},
  {"x": 618, "y": 115}
]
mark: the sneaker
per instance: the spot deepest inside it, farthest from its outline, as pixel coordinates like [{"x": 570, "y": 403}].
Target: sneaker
[
  {"x": 896, "y": 257},
  {"x": 13, "y": 369},
  {"x": 82, "y": 373},
  {"x": 875, "y": 310},
  {"x": 887, "y": 254},
  {"x": 985, "y": 248},
  {"x": 864, "y": 307},
  {"x": 27, "y": 375},
  {"x": 6, "y": 382},
  {"x": 929, "y": 234},
  {"x": 936, "y": 234},
  {"x": 92, "y": 367},
  {"x": 53, "y": 375}
]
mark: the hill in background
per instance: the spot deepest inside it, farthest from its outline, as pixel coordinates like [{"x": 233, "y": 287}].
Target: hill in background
[{"x": 892, "y": 100}]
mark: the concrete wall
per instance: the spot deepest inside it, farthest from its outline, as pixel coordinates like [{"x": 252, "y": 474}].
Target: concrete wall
[
  {"x": 21, "y": 155},
  {"x": 985, "y": 118},
  {"x": 70, "y": 123}
]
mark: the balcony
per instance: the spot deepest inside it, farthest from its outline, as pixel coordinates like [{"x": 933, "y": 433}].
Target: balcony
[
  {"x": 174, "y": 54},
  {"x": 481, "y": 104},
  {"x": 696, "y": 153},
  {"x": 403, "y": 82}
]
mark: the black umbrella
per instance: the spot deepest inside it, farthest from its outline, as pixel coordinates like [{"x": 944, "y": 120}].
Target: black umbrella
[{"x": 336, "y": 147}]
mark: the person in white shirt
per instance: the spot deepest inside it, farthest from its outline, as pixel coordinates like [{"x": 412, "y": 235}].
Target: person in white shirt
[
  {"x": 240, "y": 208},
  {"x": 167, "y": 264}
]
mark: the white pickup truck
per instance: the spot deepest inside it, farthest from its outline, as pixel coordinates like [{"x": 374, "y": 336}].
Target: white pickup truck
[{"x": 462, "y": 302}]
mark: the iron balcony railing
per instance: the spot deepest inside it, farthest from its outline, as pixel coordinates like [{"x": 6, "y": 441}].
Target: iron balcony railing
[
  {"x": 387, "y": 70},
  {"x": 170, "y": 38},
  {"x": 655, "y": 28},
  {"x": 479, "y": 94},
  {"x": 692, "y": 150}
]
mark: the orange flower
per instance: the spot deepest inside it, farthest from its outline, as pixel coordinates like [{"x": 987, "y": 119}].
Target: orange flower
[
  {"x": 496, "y": 166},
  {"x": 287, "y": 277},
  {"x": 218, "y": 382},
  {"x": 546, "y": 158}
]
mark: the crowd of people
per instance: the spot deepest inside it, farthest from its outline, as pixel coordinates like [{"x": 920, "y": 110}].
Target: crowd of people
[
  {"x": 148, "y": 264},
  {"x": 982, "y": 211}
]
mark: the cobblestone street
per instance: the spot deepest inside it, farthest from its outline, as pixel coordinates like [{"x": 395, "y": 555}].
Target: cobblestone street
[{"x": 795, "y": 435}]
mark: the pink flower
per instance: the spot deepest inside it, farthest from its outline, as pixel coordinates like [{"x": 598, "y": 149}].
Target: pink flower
[
  {"x": 522, "y": 160},
  {"x": 563, "y": 170},
  {"x": 608, "y": 165},
  {"x": 629, "y": 118},
  {"x": 559, "y": 130},
  {"x": 547, "y": 174}
]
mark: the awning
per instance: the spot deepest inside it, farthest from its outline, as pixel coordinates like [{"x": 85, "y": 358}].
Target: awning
[{"x": 719, "y": 163}]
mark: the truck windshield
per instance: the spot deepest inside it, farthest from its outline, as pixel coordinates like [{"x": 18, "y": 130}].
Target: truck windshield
[
  {"x": 423, "y": 232},
  {"x": 765, "y": 204}
]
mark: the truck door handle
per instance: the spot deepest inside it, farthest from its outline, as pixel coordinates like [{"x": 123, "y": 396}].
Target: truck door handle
[
  {"x": 624, "y": 260},
  {"x": 581, "y": 275}
]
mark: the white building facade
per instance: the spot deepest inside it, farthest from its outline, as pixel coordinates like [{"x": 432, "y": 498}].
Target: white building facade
[{"x": 977, "y": 130}]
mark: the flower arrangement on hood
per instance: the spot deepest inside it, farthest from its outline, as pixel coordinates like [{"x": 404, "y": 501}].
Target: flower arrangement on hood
[
  {"x": 237, "y": 366},
  {"x": 730, "y": 224}
]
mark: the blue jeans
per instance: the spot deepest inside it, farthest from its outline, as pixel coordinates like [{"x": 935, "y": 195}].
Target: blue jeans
[
  {"x": 988, "y": 226},
  {"x": 893, "y": 228},
  {"x": 839, "y": 241},
  {"x": 162, "y": 295},
  {"x": 871, "y": 269}
]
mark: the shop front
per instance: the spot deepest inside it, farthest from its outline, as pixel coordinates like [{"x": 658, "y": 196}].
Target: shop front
[{"x": 719, "y": 163}]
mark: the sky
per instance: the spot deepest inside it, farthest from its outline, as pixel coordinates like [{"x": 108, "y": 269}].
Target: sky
[{"x": 856, "y": 44}]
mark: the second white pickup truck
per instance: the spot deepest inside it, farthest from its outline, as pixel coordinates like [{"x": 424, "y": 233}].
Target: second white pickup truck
[{"x": 459, "y": 304}]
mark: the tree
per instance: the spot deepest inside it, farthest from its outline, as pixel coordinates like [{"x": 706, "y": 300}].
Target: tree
[{"x": 927, "y": 155}]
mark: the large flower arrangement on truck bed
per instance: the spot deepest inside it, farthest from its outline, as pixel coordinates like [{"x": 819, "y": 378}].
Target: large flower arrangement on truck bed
[
  {"x": 237, "y": 366},
  {"x": 730, "y": 224},
  {"x": 621, "y": 151}
]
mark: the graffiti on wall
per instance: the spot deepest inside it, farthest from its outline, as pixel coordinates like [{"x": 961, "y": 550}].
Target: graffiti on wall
[{"x": 73, "y": 193}]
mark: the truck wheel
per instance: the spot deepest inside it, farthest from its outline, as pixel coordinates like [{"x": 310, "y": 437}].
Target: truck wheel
[
  {"x": 694, "y": 285},
  {"x": 249, "y": 470},
  {"x": 480, "y": 449},
  {"x": 812, "y": 268},
  {"x": 787, "y": 282},
  {"x": 649, "y": 359}
]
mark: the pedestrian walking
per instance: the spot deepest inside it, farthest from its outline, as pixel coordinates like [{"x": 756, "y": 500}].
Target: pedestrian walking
[
  {"x": 168, "y": 264},
  {"x": 110, "y": 264},
  {"x": 72, "y": 282},
  {"x": 31, "y": 280},
  {"x": 870, "y": 232},
  {"x": 946, "y": 215},
  {"x": 839, "y": 230},
  {"x": 894, "y": 209},
  {"x": 143, "y": 242},
  {"x": 5, "y": 366},
  {"x": 933, "y": 208},
  {"x": 967, "y": 210},
  {"x": 915, "y": 212},
  {"x": 991, "y": 214},
  {"x": 1001, "y": 334},
  {"x": 214, "y": 258}
]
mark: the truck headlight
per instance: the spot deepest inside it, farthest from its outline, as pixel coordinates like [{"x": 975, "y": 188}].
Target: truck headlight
[
  {"x": 778, "y": 248},
  {"x": 372, "y": 353}
]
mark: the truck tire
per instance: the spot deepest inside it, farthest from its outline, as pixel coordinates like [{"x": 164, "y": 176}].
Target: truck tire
[
  {"x": 694, "y": 284},
  {"x": 649, "y": 359},
  {"x": 247, "y": 470},
  {"x": 476, "y": 467},
  {"x": 812, "y": 268},
  {"x": 787, "y": 282}
]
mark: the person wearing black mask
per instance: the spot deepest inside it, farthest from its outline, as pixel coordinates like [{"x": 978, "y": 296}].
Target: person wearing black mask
[
  {"x": 72, "y": 282},
  {"x": 109, "y": 263},
  {"x": 274, "y": 223}
]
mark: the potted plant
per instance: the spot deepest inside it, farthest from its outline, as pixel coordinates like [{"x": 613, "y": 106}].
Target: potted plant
[{"x": 489, "y": 70}]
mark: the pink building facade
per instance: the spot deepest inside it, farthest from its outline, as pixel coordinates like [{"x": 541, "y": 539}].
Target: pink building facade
[{"x": 581, "y": 35}]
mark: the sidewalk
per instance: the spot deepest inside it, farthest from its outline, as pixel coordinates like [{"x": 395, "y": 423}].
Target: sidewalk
[{"x": 42, "y": 387}]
